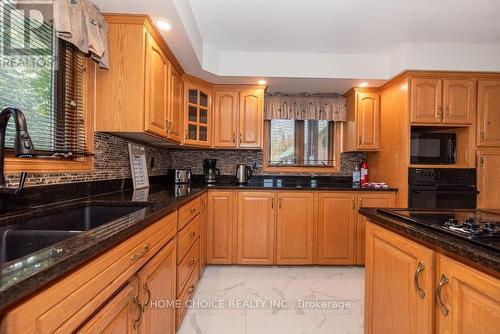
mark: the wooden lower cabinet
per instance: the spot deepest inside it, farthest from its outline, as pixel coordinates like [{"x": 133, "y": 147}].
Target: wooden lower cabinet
[
  {"x": 203, "y": 233},
  {"x": 157, "y": 284},
  {"x": 119, "y": 315},
  {"x": 220, "y": 227},
  {"x": 399, "y": 287},
  {"x": 369, "y": 200},
  {"x": 469, "y": 300},
  {"x": 255, "y": 227},
  {"x": 295, "y": 227},
  {"x": 336, "y": 223}
]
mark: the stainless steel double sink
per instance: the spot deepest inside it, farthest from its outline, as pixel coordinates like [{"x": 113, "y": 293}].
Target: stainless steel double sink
[{"x": 31, "y": 235}]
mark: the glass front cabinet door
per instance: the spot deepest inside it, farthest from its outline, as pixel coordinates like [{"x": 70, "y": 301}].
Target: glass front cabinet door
[{"x": 198, "y": 116}]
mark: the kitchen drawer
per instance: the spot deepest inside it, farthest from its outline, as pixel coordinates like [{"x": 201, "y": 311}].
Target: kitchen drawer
[
  {"x": 186, "y": 295},
  {"x": 65, "y": 305},
  {"x": 187, "y": 265},
  {"x": 188, "y": 211},
  {"x": 187, "y": 237}
]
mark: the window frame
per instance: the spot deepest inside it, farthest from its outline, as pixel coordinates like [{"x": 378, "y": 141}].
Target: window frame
[
  {"x": 335, "y": 154},
  {"x": 82, "y": 164}
]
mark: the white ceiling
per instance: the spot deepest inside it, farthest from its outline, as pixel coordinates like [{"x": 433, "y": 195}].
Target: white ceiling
[{"x": 324, "y": 45}]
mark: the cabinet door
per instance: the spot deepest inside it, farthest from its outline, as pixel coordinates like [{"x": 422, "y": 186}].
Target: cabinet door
[
  {"x": 459, "y": 101},
  {"x": 488, "y": 108},
  {"x": 251, "y": 118},
  {"x": 175, "y": 114},
  {"x": 295, "y": 228},
  {"x": 197, "y": 119},
  {"x": 203, "y": 233},
  {"x": 120, "y": 315},
  {"x": 255, "y": 227},
  {"x": 368, "y": 120},
  {"x": 369, "y": 200},
  {"x": 220, "y": 229},
  {"x": 157, "y": 282},
  {"x": 156, "y": 98},
  {"x": 225, "y": 118},
  {"x": 468, "y": 300},
  {"x": 488, "y": 182},
  {"x": 393, "y": 279},
  {"x": 425, "y": 101},
  {"x": 336, "y": 218}
]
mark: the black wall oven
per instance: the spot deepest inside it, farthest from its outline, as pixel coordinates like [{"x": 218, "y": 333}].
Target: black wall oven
[
  {"x": 442, "y": 188},
  {"x": 431, "y": 148}
]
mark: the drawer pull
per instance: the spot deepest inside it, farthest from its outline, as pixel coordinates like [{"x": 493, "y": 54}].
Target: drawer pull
[
  {"x": 192, "y": 261},
  {"x": 139, "y": 307},
  {"x": 190, "y": 289},
  {"x": 442, "y": 306},
  {"x": 192, "y": 235},
  {"x": 148, "y": 293},
  {"x": 192, "y": 210},
  {"x": 420, "y": 268},
  {"x": 138, "y": 255}
]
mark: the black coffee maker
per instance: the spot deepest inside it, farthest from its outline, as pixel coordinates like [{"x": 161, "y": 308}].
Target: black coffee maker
[{"x": 210, "y": 171}]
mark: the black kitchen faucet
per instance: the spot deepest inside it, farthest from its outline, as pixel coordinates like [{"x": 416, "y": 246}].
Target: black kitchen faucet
[{"x": 23, "y": 146}]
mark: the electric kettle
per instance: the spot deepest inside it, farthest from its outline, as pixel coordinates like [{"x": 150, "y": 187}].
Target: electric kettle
[{"x": 243, "y": 173}]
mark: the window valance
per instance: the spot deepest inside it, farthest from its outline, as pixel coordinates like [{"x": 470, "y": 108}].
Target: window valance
[
  {"x": 79, "y": 22},
  {"x": 329, "y": 107}
]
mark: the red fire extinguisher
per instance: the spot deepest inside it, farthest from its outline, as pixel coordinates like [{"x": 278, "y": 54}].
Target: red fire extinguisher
[{"x": 363, "y": 168}]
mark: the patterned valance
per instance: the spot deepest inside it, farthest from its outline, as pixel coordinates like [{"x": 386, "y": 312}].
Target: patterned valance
[{"x": 329, "y": 107}]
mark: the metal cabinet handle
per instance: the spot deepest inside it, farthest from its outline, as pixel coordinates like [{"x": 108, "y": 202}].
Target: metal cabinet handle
[
  {"x": 192, "y": 261},
  {"x": 447, "y": 112},
  {"x": 439, "y": 114},
  {"x": 234, "y": 137},
  {"x": 353, "y": 203},
  {"x": 192, "y": 210},
  {"x": 360, "y": 202},
  {"x": 138, "y": 255},
  {"x": 190, "y": 289},
  {"x": 279, "y": 204},
  {"x": 442, "y": 306},
  {"x": 137, "y": 302},
  {"x": 192, "y": 234},
  {"x": 482, "y": 136},
  {"x": 360, "y": 139},
  {"x": 148, "y": 293},
  {"x": 481, "y": 161},
  {"x": 272, "y": 203},
  {"x": 241, "y": 138},
  {"x": 420, "y": 268}
]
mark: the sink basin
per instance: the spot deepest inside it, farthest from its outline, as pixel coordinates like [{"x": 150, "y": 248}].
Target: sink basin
[
  {"x": 18, "y": 243},
  {"x": 34, "y": 234},
  {"x": 78, "y": 219}
]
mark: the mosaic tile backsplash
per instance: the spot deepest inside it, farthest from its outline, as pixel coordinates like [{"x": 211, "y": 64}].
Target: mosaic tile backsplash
[{"x": 111, "y": 161}]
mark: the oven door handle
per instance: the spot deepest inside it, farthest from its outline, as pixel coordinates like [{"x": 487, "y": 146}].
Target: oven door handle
[{"x": 445, "y": 191}]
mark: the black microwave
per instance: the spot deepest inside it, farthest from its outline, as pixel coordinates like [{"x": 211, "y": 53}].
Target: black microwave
[{"x": 430, "y": 148}]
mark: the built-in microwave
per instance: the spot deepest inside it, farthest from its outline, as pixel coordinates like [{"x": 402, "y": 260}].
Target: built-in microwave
[{"x": 431, "y": 148}]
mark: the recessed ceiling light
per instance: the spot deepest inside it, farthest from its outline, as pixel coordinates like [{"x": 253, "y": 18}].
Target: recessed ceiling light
[
  {"x": 163, "y": 25},
  {"x": 262, "y": 82},
  {"x": 363, "y": 84}
]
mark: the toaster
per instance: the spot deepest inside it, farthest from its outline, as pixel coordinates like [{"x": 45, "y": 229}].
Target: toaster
[{"x": 180, "y": 175}]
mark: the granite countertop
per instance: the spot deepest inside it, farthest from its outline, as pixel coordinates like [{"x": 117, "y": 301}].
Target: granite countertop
[
  {"x": 482, "y": 258},
  {"x": 25, "y": 275}
]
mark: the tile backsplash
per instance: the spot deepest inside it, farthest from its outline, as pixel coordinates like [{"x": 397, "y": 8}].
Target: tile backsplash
[{"x": 111, "y": 161}]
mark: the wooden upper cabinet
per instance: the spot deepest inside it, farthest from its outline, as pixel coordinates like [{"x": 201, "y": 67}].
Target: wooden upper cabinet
[
  {"x": 255, "y": 227},
  {"x": 488, "y": 108},
  {"x": 225, "y": 118},
  {"x": 157, "y": 84},
  {"x": 175, "y": 110},
  {"x": 251, "y": 118},
  {"x": 119, "y": 315},
  {"x": 426, "y": 101},
  {"x": 157, "y": 282},
  {"x": 336, "y": 218},
  {"x": 468, "y": 300},
  {"x": 220, "y": 227},
  {"x": 197, "y": 114},
  {"x": 361, "y": 131},
  {"x": 369, "y": 200},
  {"x": 399, "y": 289},
  {"x": 488, "y": 182},
  {"x": 368, "y": 121},
  {"x": 295, "y": 227},
  {"x": 459, "y": 101}
]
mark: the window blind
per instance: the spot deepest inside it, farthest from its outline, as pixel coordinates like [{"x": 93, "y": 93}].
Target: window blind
[{"x": 44, "y": 77}]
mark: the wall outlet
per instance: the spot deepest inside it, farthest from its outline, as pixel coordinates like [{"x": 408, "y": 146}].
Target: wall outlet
[{"x": 255, "y": 164}]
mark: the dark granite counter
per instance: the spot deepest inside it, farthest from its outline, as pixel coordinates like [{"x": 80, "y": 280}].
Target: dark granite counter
[
  {"x": 482, "y": 258},
  {"x": 25, "y": 275}
]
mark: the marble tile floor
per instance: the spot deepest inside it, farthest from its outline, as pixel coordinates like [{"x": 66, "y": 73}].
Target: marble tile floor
[{"x": 288, "y": 300}]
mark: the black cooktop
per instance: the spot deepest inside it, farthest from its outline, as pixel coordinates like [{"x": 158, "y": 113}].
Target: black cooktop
[{"x": 479, "y": 226}]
